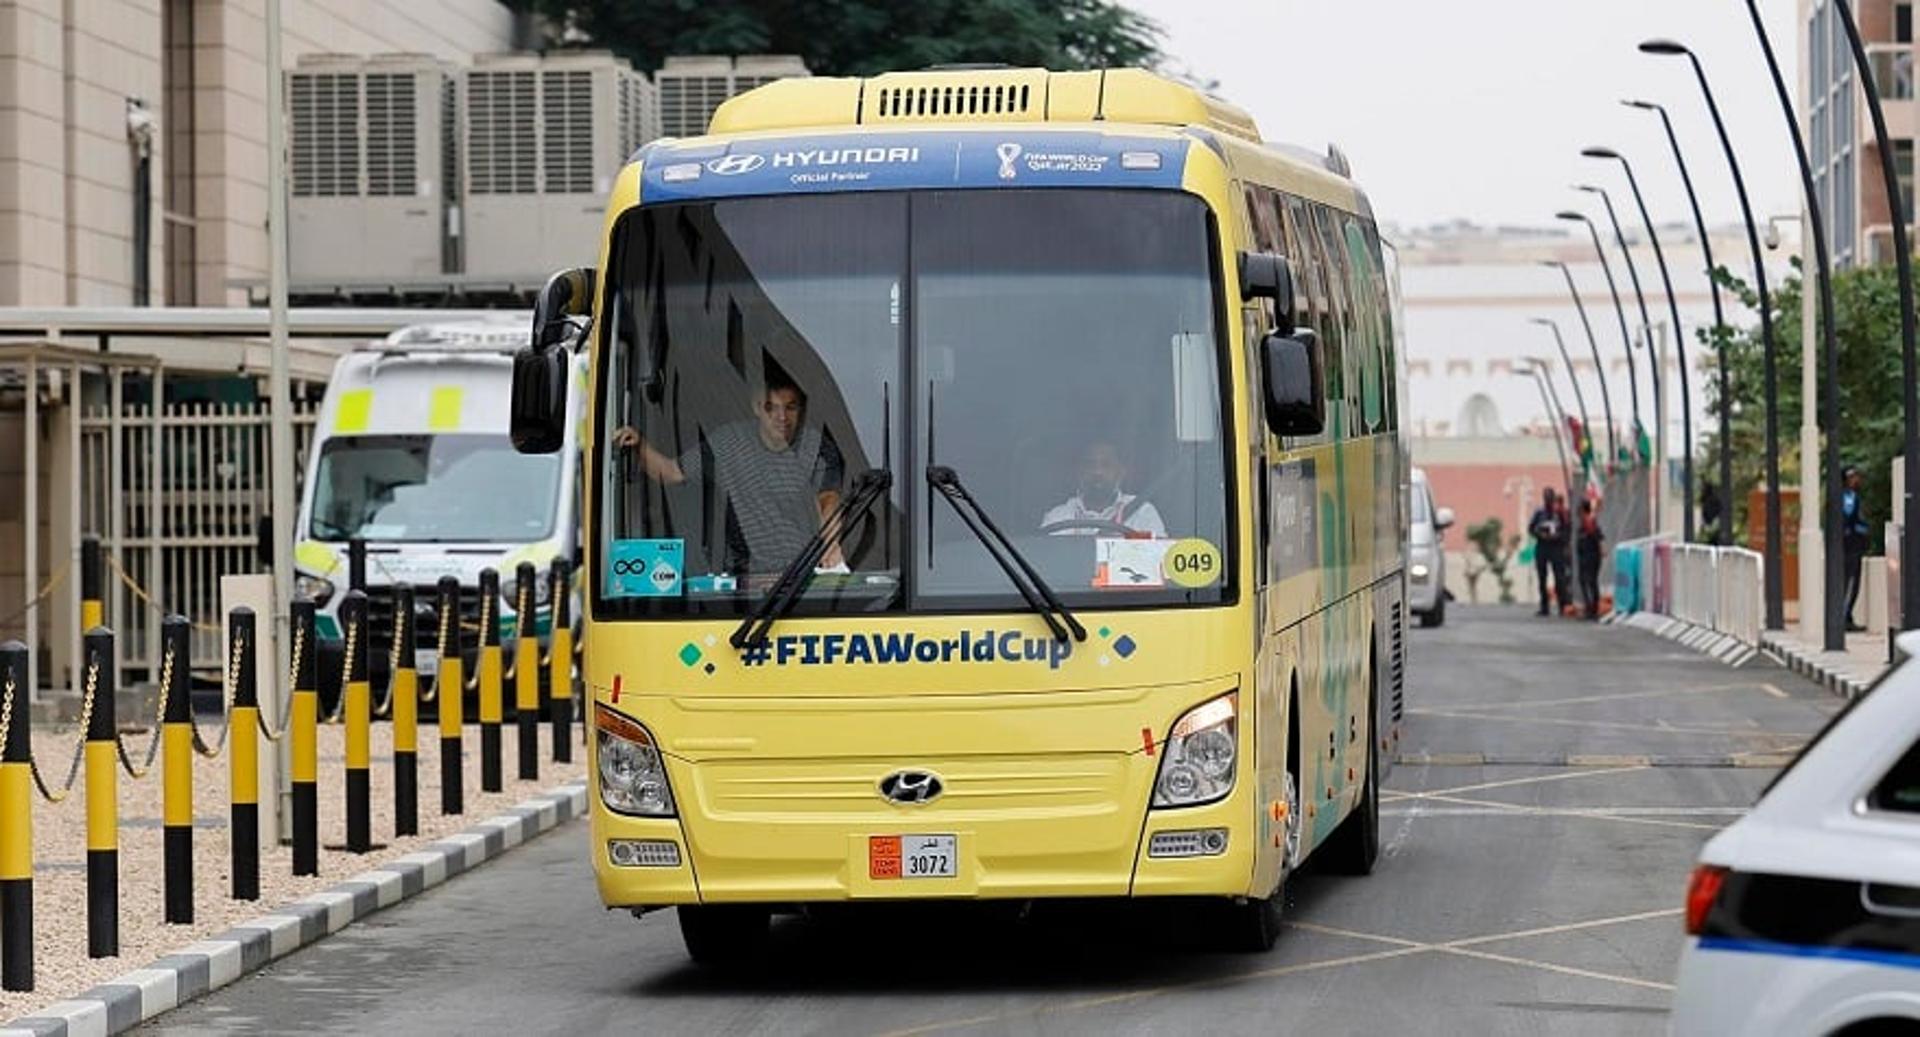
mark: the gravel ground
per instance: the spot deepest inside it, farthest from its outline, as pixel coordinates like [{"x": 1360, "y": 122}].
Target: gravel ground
[{"x": 61, "y": 966}]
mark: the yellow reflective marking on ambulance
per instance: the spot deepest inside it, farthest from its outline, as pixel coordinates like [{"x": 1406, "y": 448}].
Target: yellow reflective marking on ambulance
[
  {"x": 315, "y": 557},
  {"x": 443, "y": 410},
  {"x": 356, "y": 406}
]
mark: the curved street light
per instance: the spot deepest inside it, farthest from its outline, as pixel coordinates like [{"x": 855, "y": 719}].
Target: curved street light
[
  {"x": 1775, "y": 585},
  {"x": 1679, "y": 342},
  {"x": 1626, "y": 337},
  {"x": 1580, "y": 398},
  {"x": 1835, "y": 624},
  {"x": 1721, "y": 527},
  {"x": 1599, "y": 368}
]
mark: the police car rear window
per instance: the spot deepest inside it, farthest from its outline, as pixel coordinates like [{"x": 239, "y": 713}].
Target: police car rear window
[{"x": 1900, "y": 790}]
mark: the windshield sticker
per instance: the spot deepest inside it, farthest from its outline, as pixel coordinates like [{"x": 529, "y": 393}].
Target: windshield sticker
[
  {"x": 905, "y": 160},
  {"x": 1193, "y": 563},
  {"x": 1121, "y": 563},
  {"x": 645, "y": 568}
]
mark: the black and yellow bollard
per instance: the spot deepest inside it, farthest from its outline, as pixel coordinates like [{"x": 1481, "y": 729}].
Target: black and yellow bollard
[
  {"x": 526, "y": 671},
  {"x": 243, "y": 756},
  {"x": 16, "y": 821},
  {"x": 176, "y": 766},
  {"x": 359, "y": 716},
  {"x": 560, "y": 660},
  {"x": 449, "y": 682},
  {"x": 93, "y": 584},
  {"x": 304, "y": 730},
  {"x": 103, "y": 799},
  {"x": 403, "y": 694},
  {"x": 491, "y": 705}
]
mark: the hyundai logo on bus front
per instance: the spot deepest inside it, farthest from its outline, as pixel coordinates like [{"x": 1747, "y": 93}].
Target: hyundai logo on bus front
[
  {"x": 733, "y": 165},
  {"x": 911, "y": 787}
]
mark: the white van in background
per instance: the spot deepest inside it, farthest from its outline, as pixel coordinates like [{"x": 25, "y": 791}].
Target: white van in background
[
  {"x": 1427, "y": 555},
  {"x": 411, "y": 455}
]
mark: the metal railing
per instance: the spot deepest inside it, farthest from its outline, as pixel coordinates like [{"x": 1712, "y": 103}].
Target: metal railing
[{"x": 1717, "y": 588}]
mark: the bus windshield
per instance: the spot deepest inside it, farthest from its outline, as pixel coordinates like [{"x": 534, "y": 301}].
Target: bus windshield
[
  {"x": 445, "y": 487},
  {"x": 1059, "y": 350}
]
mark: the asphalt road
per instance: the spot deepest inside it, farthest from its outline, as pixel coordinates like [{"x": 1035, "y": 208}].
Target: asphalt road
[{"x": 1530, "y": 883}]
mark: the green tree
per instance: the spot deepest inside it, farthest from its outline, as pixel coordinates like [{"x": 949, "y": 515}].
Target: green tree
[
  {"x": 1495, "y": 555},
  {"x": 861, "y": 37},
  {"x": 1866, "y": 304}
]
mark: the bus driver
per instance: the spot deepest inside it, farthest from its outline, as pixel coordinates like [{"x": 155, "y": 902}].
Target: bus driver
[
  {"x": 1102, "y": 501},
  {"x": 781, "y": 479}
]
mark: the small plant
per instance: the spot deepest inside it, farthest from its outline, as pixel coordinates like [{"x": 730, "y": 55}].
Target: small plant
[{"x": 1495, "y": 555}]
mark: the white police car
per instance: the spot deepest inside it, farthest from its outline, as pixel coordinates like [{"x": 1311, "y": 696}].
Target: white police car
[{"x": 1804, "y": 916}]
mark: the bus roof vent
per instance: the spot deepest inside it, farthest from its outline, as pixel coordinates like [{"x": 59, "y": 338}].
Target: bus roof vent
[{"x": 957, "y": 95}]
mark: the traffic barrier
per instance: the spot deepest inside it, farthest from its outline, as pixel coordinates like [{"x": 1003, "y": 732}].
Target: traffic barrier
[
  {"x": 449, "y": 687},
  {"x": 358, "y": 695},
  {"x": 93, "y": 584},
  {"x": 304, "y": 722},
  {"x": 560, "y": 660},
  {"x": 16, "y": 821},
  {"x": 103, "y": 797},
  {"x": 526, "y": 672},
  {"x": 243, "y": 763},
  {"x": 491, "y": 706},
  {"x": 176, "y": 732},
  {"x": 403, "y": 703}
]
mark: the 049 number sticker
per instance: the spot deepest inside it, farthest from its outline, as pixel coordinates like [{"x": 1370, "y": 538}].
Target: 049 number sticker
[{"x": 1192, "y": 563}]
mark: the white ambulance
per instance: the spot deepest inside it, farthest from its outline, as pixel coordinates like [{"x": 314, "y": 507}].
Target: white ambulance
[{"x": 410, "y": 454}]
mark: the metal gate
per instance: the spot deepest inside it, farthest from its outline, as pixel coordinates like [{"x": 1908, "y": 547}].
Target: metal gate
[{"x": 176, "y": 500}]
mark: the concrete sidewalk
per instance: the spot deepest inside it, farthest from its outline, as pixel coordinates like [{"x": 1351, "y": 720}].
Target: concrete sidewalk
[{"x": 1845, "y": 673}]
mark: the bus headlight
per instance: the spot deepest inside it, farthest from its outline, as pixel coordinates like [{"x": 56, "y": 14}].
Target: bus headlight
[
  {"x": 1198, "y": 762},
  {"x": 633, "y": 777},
  {"x": 317, "y": 589}
]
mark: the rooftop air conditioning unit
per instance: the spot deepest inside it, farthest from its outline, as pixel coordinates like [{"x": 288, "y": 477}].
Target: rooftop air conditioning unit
[
  {"x": 545, "y": 138},
  {"x": 691, "y": 87},
  {"x": 373, "y": 169}
]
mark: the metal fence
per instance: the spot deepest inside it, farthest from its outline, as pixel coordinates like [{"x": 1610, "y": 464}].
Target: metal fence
[{"x": 176, "y": 499}]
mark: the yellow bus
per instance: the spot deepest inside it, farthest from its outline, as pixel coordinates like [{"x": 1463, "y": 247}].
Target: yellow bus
[{"x": 996, "y": 493}]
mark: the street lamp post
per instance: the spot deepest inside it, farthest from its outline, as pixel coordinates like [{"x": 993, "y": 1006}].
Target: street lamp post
[
  {"x": 1579, "y": 398},
  {"x": 1909, "y": 377},
  {"x": 1775, "y": 587},
  {"x": 1549, "y": 399},
  {"x": 1721, "y": 528},
  {"x": 1657, "y": 454},
  {"x": 1835, "y": 632},
  {"x": 1626, "y": 337},
  {"x": 1599, "y": 369},
  {"x": 1679, "y": 339}
]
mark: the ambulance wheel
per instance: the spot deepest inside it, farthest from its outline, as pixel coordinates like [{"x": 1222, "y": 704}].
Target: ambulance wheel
[{"x": 723, "y": 934}]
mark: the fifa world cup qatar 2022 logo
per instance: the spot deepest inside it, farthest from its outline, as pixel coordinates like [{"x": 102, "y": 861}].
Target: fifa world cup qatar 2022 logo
[{"x": 1007, "y": 152}]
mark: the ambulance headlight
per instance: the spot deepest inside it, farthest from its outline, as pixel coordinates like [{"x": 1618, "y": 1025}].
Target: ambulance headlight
[
  {"x": 542, "y": 591},
  {"x": 633, "y": 777},
  {"x": 317, "y": 589},
  {"x": 1198, "y": 762}
]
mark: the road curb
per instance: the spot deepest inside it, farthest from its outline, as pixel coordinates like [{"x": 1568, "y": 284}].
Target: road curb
[
  {"x": 1709, "y": 642},
  {"x": 1809, "y": 665},
  {"x": 199, "y": 968}
]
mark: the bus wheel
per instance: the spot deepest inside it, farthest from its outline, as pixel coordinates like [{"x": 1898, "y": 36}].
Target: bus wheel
[
  {"x": 723, "y": 934},
  {"x": 1355, "y": 845}
]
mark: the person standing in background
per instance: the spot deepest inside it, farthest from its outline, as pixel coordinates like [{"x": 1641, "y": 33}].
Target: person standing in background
[
  {"x": 1548, "y": 528},
  {"x": 1854, "y": 536},
  {"x": 1592, "y": 548}
]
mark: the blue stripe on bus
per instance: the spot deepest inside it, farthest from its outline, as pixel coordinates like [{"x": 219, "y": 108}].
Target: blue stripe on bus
[
  {"x": 1893, "y": 959},
  {"x": 886, "y": 161}
]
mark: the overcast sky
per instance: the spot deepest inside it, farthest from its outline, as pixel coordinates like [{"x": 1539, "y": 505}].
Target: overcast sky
[{"x": 1478, "y": 109}]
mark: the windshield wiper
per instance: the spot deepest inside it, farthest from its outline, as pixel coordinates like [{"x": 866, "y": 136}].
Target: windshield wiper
[
  {"x": 1039, "y": 596},
  {"x": 868, "y": 486}
]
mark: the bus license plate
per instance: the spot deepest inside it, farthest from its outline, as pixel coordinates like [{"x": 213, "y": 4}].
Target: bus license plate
[{"x": 912, "y": 857}]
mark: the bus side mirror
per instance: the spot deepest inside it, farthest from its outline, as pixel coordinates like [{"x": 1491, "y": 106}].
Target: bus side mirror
[
  {"x": 1295, "y": 404},
  {"x": 1264, "y": 275},
  {"x": 537, "y": 411}
]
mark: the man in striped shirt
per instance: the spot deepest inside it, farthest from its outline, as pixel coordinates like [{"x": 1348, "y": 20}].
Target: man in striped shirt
[{"x": 779, "y": 477}]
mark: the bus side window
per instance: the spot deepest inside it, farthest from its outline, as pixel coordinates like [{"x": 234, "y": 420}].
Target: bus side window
[
  {"x": 1369, "y": 310},
  {"x": 1335, "y": 334}
]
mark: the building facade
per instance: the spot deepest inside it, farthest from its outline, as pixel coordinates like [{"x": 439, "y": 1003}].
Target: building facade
[
  {"x": 100, "y": 98},
  {"x": 1846, "y": 159}
]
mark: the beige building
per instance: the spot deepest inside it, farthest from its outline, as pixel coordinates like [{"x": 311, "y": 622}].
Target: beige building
[
  {"x": 87, "y": 87},
  {"x": 1846, "y": 159}
]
